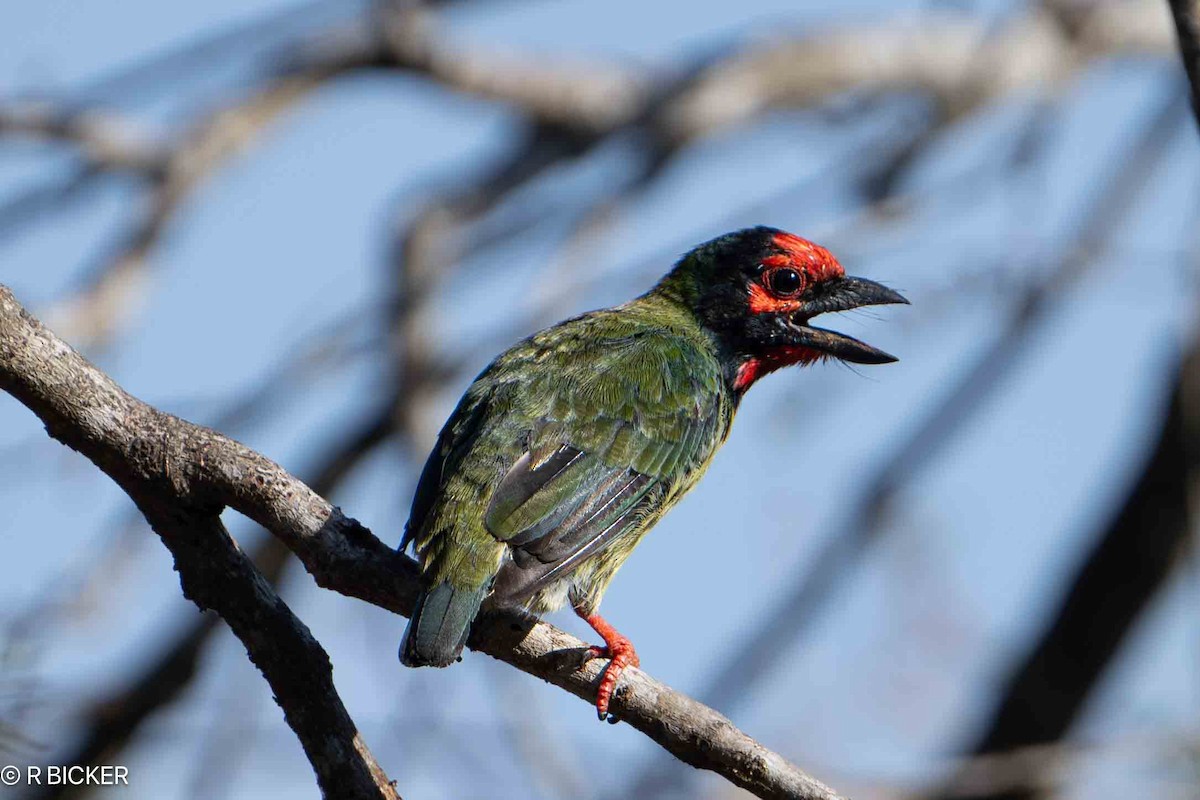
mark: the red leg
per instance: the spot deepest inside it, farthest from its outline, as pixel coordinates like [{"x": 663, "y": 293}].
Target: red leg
[{"x": 619, "y": 650}]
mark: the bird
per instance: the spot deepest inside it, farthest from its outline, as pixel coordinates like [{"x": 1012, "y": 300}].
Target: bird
[{"x": 572, "y": 444}]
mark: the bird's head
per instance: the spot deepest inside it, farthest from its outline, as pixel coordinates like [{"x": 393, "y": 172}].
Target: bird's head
[{"x": 757, "y": 289}]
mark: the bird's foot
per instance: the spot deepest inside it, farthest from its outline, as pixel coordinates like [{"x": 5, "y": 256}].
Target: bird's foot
[
  {"x": 603, "y": 651},
  {"x": 620, "y": 653}
]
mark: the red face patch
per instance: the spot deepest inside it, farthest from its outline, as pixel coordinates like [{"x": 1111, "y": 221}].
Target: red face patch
[
  {"x": 763, "y": 302},
  {"x": 775, "y": 358},
  {"x": 814, "y": 264},
  {"x": 811, "y": 262},
  {"x": 811, "y": 258}
]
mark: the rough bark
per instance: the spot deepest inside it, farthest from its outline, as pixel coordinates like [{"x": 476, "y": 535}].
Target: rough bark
[
  {"x": 182, "y": 475},
  {"x": 146, "y": 452}
]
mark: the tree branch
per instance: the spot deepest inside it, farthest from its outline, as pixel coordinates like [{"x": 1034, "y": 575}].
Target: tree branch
[
  {"x": 144, "y": 451},
  {"x": 1187, "y": 26},
  {"x": 181, "y": 475},
  {"x": 115, "y": 719},
  {"x": 216, "y": 574}
]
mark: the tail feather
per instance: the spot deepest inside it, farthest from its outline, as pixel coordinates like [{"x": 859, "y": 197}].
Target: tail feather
[{"x": 438, "y": 629}]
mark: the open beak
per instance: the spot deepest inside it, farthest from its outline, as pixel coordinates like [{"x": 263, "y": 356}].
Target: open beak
[{"x": 842, "y": 294}]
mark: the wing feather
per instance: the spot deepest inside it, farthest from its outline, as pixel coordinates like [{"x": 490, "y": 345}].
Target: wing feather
[
  {"x": 608, "y": 449},
  {"x": 619, "y": 422}
]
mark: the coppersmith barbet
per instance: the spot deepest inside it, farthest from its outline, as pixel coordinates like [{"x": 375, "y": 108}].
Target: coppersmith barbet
[{"x": 572, "y": 444}]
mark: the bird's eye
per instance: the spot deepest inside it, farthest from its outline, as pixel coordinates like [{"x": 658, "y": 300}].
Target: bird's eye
[{"x": 784, "y": 281}]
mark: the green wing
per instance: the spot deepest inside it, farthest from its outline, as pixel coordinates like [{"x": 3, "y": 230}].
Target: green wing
[
  {"x": 454, "y": 444},
  {"x": 622, "y": 424}
]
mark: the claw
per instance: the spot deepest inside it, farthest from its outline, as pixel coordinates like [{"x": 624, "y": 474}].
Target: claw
[
  {"x": 619, "y": 650},
  {"x": 612, "y": 674}
]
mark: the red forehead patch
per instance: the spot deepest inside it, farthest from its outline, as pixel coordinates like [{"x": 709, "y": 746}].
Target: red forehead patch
[{"x": 818, "y": 262}]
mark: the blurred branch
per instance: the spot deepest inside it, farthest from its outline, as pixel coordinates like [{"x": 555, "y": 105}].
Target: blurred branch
[
  {"x": 106, "y": 140},
  {"x": 110, "y": 142},
  {"x": 866, "y": 519},
  {"x": 569, "y": 109},
  {"x": 573, "y": 106},
  {"x": 1187, "y": 26},
  {"x": 183, "y": 475},
  {"x": 57, "y": 194},
  {"x": 165, "y": 70},
  {"x": 117, "y": 281},
  {"x": 1127, "y": 567},
  {"x": 957, "y": 62},
  {"x": 1041, "y": 769},
  {"x": 423, "y": 249},
  {"x": 589, "y": 98},
  {"x": 112, "y": 723},
  {"x": 1124, "y": 571}
]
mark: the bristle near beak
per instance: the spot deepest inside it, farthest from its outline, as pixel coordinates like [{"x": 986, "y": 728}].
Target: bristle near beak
[{"x": 844, "y": 294}]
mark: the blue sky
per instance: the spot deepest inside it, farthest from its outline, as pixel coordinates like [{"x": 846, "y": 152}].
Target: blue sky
[{"x": 290, "y": 237}]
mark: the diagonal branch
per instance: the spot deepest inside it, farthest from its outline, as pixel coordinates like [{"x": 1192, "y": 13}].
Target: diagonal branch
[
  {"x": 114, "y": 720},
  {"x": 1187, "y": 26},
  {"x": 182, "y": 475},
  {"x": 127, "y": 439},
  {"x": 216, "y": 574}
]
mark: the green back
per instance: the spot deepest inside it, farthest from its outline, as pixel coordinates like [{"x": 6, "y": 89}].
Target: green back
[{"x": 573, "y": 439}]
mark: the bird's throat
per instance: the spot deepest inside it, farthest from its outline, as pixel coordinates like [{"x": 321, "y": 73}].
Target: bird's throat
[{"x": 769, "y": 360}]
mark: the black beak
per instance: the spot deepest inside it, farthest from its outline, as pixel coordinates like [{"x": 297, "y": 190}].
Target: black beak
[{"x": 843, "y": 294}]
